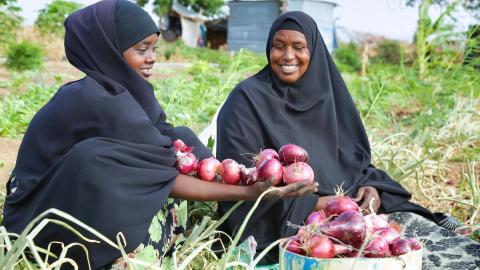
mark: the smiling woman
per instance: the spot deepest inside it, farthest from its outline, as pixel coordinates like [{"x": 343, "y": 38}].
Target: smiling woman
[
  {"x": 289, "y": 56},
  {"x": 301, "y": 98},
  {"x": 142, "y": 56}
]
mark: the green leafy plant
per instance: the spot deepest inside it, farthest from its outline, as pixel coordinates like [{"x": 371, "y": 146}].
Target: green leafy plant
[
  {"x": 347, "y": 57},
  {"x": 206, "y": 7},
  {"x": 24, "y": 56},
  {"x": 389, "y": 51},
  {"x": 50, "y": 19}
]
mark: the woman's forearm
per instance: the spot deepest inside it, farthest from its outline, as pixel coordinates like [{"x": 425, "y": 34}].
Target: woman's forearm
[{"x": 190, "y": 188}]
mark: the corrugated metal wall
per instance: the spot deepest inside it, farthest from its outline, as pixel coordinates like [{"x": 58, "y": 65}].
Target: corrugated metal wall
[
  {"x": 250, "y": 21},
  {"x": 321, "y": 12}
]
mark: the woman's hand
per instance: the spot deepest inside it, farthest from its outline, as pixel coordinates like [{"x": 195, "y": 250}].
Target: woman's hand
[
  {"x": 190, "y": 188},
  {"x": 291, "y": 190},
  {"x": 366, "y": 194}
]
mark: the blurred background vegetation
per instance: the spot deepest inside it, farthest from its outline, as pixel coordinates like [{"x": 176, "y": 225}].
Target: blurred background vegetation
[{"x": 419, "y": 101}]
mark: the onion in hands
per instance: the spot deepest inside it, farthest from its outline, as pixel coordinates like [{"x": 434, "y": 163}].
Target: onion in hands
[
  {"x": 186, "y": 163},
  {"x": 207, "y": 169},
  {"x": 291, "y": 153},
  {"x": 264, "y": 155},
  {"x": 270, "y": 169},
  {"x": 230, "y": 172},
  {"x": 298, "y": 172},
  {"x": 248, "y": 175}
]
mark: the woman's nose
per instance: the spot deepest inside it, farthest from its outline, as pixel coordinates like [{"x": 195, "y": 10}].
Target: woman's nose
[
  {"x": 289, "y": 54},
  {"x": 151, "y": 57}
]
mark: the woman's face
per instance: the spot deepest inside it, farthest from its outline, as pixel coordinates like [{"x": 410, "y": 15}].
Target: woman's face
[
  {"x": 289, "y": 55},
  {"x": 142, "y": 56}
]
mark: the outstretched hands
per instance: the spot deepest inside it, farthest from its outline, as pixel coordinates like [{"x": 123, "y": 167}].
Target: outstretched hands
[{"x": 290, "y": 190}]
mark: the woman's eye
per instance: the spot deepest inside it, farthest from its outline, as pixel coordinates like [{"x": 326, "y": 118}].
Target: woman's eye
[{"x": 141, "y": 50}]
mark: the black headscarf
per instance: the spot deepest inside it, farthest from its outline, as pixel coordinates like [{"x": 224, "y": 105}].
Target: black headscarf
[
  {"x": 100, "y": 149},
  {"x": 316, "y": 113}
]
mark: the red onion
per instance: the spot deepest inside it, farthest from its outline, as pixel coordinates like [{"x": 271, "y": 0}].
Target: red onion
[
  {"x": 320, "y": 247},
  {"x": 403, "y": 246},
  {"x": 389, "y": 234},
  {"x": 342, "y": 249},
  {"x": 180, "y": 146},
  {"x": 376, "y": 222},
  {"x": 264, "y": 155},
  {"x": 349, "y": 227},
  {"x": 291, "y": 153},
  {"x": 298, "y": 172},
  {"x": 208, "y": 168},
  {"x": 295, "y": 245},
  {"x": 270, "y": 169},
  {"x": 317, "y": 217},
  {"x": 339, "y": 204},
  {"x": 377, "y": 248},
  {"x": 186, "y": 163},
  {"x": 248, "y": 175},
  {"x": 230, "y": 172}
]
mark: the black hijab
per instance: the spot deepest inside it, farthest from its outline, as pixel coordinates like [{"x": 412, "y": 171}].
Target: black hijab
[
  {"x": 317, "y": 113},
  {"x": 100, "y": 149}
]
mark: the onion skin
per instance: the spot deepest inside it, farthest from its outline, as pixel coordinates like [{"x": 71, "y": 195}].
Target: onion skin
[
  {"x": 317, "y": 217},
  {"x": 349, "y": 228},
  {"x": 248, "y": 175},
  {"x": 339, "y": 204},
  {"x": 230, "y": 172},
  {"x": 298, "y": 172},
  {"x": 186, "y": 163},
  {"x": 180, "y": 146},
  {"x": 207, "y": 169},
  {"x": 295, "y": 245},
  {"x": 291, "y": 153},
  {"x": 266, "y": 154},
  {"x": 320, "y": 247},
  {"x": 403, "y": 246},
  {"x": 377, "y": 248},
  {"x": 270, "y": 169},
  {"x": 389, "y": 234}
]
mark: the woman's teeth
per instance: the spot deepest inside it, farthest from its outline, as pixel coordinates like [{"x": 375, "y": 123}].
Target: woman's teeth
[{"x": 289, "y": 68}]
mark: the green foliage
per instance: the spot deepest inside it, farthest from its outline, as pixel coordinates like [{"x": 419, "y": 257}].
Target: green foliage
[
  {"x": 24, "y": 56},
  {"x": 10, "y": 21},
  {"x": 17, "y": 110},
  {"x": 206, "y": 7},
  {"x": 389, "y": 52},
  {"x": 50, "y": 19},
  {"x": 347, "y": 58}
]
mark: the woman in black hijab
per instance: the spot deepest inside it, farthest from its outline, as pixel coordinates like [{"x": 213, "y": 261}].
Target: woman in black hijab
[
  {"x": 301, "y": 98},
  {"x": 101, "y": 149}
]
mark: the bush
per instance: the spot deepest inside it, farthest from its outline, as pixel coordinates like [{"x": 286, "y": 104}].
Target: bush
[
  {"x": 10, "y": 21},
  {"x": 24, "y": 56},
  {"x": 347, "y": 58},
  {"x": 50, "y": 19},
  {"x": 389, "y": 52}
]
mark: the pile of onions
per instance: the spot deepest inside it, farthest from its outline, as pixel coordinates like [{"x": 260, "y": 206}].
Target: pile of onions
[{"x": 341, "y": 230}]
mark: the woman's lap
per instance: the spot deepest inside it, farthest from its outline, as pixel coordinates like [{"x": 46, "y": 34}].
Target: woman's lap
[{"x": 444, "y": 249}]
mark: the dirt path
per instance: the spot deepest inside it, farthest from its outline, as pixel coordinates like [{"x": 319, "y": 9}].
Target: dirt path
[{"x": 8, "y": 155}]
